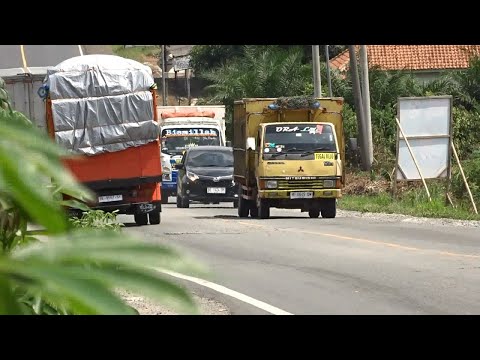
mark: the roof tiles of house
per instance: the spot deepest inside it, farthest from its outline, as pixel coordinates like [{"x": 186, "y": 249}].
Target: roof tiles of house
[{"x": 412, "y": 57}]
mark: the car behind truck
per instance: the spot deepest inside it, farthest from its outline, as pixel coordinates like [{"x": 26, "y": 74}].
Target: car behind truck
[
  {"x": 101, "y": 108},
  {"x": 288, "y": 153}
]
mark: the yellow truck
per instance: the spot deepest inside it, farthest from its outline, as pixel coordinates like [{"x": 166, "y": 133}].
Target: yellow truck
[{"x": 289, "y": 153}]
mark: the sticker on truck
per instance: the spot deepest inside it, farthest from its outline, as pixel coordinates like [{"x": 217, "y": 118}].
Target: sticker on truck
[{"x": 324, "y": 156}]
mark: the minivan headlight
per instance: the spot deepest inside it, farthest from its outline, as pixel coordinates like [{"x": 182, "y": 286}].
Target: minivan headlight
[{"x": 191, "y": 176}]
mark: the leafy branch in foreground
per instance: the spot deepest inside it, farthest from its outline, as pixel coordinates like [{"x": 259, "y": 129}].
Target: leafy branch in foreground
[{"x": 72, "y": 271}]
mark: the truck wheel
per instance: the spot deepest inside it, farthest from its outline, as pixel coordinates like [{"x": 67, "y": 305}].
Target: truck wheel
[
  {"x": 314, "y": 213},
  {"x": 179, "y": 201},
  {"x": 154, "y": 217},
  {"x": 329, "y": 208},
  {"x": 141, "y": 219},
  {"x": 243, "y": 207},
  {"x": 165, "y": 197},
  {"x": 264, "y": 209},
  {"x": 235, "y": 204},
  {"x": 253, "y": 210},
  {"x": 185, "y": 203}
]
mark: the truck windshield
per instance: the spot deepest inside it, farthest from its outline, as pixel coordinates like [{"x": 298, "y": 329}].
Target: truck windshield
[
  {"x": 176, "y": 140},
  {"x": 210, "y": 158},
  {"x": 299, "y": 138}
]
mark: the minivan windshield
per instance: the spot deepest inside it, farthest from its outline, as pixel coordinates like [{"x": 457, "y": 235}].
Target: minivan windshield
[{"x": 210, "y": 158}]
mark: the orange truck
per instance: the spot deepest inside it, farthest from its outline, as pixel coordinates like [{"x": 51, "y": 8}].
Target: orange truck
[{"x": 102, "y": 109}]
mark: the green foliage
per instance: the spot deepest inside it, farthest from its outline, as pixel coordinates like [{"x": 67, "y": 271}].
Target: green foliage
[
  {"x": 97, "y": 219},
  {"x": 207, "y": 57},
  {"x": 264, "y": 72},
  {"x": 471, "y": 168},
  {"x": 413, "y": 202},
  {"x": 296, "y": 102},
  {"x": 137, "y": 53},
  {"x": 72, "y": 271},
  {"x": 466, "y": 131}
]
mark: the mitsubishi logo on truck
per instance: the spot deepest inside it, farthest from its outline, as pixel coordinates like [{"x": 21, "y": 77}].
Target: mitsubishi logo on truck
[{"x": 300, "y": 169}]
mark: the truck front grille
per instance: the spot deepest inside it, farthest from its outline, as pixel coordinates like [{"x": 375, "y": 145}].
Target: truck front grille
[{"x": 299, "y": 184}]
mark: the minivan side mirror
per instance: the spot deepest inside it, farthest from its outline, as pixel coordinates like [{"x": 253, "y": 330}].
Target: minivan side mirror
[
  {"x": 180, "y": 166},
  {"x": 251, "y": 143}
]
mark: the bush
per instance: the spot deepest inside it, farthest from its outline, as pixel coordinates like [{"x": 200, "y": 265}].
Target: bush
[
  {"x": 466, "y": 129},
  {"x": 471, "y": 168}
]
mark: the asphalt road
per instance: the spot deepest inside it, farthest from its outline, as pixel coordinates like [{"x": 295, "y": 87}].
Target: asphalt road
[
  {"x": 36, "y": 55},
  {"x": 346, "y": 265}
]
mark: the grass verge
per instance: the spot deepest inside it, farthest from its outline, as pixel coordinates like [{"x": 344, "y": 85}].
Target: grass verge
[
  {"x": 137, "y": 53},
  {"x": 414, "y": 203}
]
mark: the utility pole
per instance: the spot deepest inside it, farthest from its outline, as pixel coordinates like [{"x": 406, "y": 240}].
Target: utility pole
[
  {"x": 317, "y": 81},
  {"x": 366, "y": 102},
  {"x": 329, "y": 79},
  {"x": 187, "y": 75},
  {"x": 164, "y": 75},
  {"x": 357, "y": 94}
]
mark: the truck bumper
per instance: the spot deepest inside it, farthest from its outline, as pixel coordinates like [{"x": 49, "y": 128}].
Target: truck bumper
[
  {"x": 169, "y": 185},
  {"x": 285, "y": 194}
]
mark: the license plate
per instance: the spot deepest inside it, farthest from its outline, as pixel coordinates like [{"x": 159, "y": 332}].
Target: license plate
[
  {"x": 324, "y": 156},
  {"x": 216, "y": 190},
  {"x": 301, "y": 195},
  {"x": 110, "y": 198}
]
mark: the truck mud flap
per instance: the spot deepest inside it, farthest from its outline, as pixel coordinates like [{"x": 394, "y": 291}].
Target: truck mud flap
[{"x": 145, "y": 208}]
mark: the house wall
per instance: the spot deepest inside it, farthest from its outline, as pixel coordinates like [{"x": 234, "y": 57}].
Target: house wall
[{"x": 427, "y": 76}]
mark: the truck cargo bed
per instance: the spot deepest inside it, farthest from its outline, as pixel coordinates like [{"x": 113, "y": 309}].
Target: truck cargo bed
[{"x": 139, "y": 164}]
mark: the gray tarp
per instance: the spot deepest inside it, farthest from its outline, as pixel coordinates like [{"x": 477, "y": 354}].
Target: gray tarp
[{"x": 101, "y": 103}]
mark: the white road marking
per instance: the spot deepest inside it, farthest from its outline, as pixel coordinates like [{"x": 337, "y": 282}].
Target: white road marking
[{"x": 226, "y": 291}]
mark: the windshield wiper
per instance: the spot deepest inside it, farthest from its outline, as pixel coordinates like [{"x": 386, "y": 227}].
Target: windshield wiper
[
  {"x": 286, "y": 151},
  {"x": 309, "y": 152}
]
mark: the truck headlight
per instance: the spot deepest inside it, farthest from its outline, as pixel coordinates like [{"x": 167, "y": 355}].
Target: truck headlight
[
  {"x": 271, "y": 184},
  {"x": 329, "y": 183},
  {"x": 191, "y": 176}
]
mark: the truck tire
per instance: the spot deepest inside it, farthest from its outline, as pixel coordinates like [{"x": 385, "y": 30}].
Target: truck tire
[
  {"x": 154, "y": 217},
  {"x": 264, "y": 209},
  {"x": 141, "y": 219},
  {"x": 314, "y": 213},
  {"x": 253, "y": 210},
  {"x": 329, "y": 208},
  {"x": 243, "y": 207},
  {"x": 165, "y": 197},
  {"x": 179, "y": 201},
  {"x": 235, "y": 204}
]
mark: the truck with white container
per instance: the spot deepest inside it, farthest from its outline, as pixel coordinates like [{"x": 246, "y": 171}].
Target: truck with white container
[{"x": 182, "y": 127}]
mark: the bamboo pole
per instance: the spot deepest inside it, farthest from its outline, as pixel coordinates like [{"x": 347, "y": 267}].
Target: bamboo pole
[
  {"x": 414, "y": 160},
  {"x": 464, "y": 178}
]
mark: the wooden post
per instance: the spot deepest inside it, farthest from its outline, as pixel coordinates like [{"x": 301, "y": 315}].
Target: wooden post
[
  {"x": 413, "y": 157},
  {"x": 464, "y": 178}
]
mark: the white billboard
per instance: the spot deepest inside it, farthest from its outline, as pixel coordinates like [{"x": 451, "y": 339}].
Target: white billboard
[{"x": 426, "y": 123}]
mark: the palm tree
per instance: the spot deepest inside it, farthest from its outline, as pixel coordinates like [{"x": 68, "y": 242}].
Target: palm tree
[{"x": 262, "y": 72}]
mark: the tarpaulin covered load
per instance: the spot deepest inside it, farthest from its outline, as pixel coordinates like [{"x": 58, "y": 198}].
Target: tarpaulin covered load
[{"x": 101, "y": 103}]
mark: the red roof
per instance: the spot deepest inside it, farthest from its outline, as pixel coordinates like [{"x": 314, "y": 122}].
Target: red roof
[{"x": 412, "y": 57}]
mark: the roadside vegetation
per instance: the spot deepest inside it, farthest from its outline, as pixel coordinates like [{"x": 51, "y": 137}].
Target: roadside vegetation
[
  {"x": 137, "y": 53},
  {"x": 234, "y": 72},
  {"x": 68, "y": 266}
]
